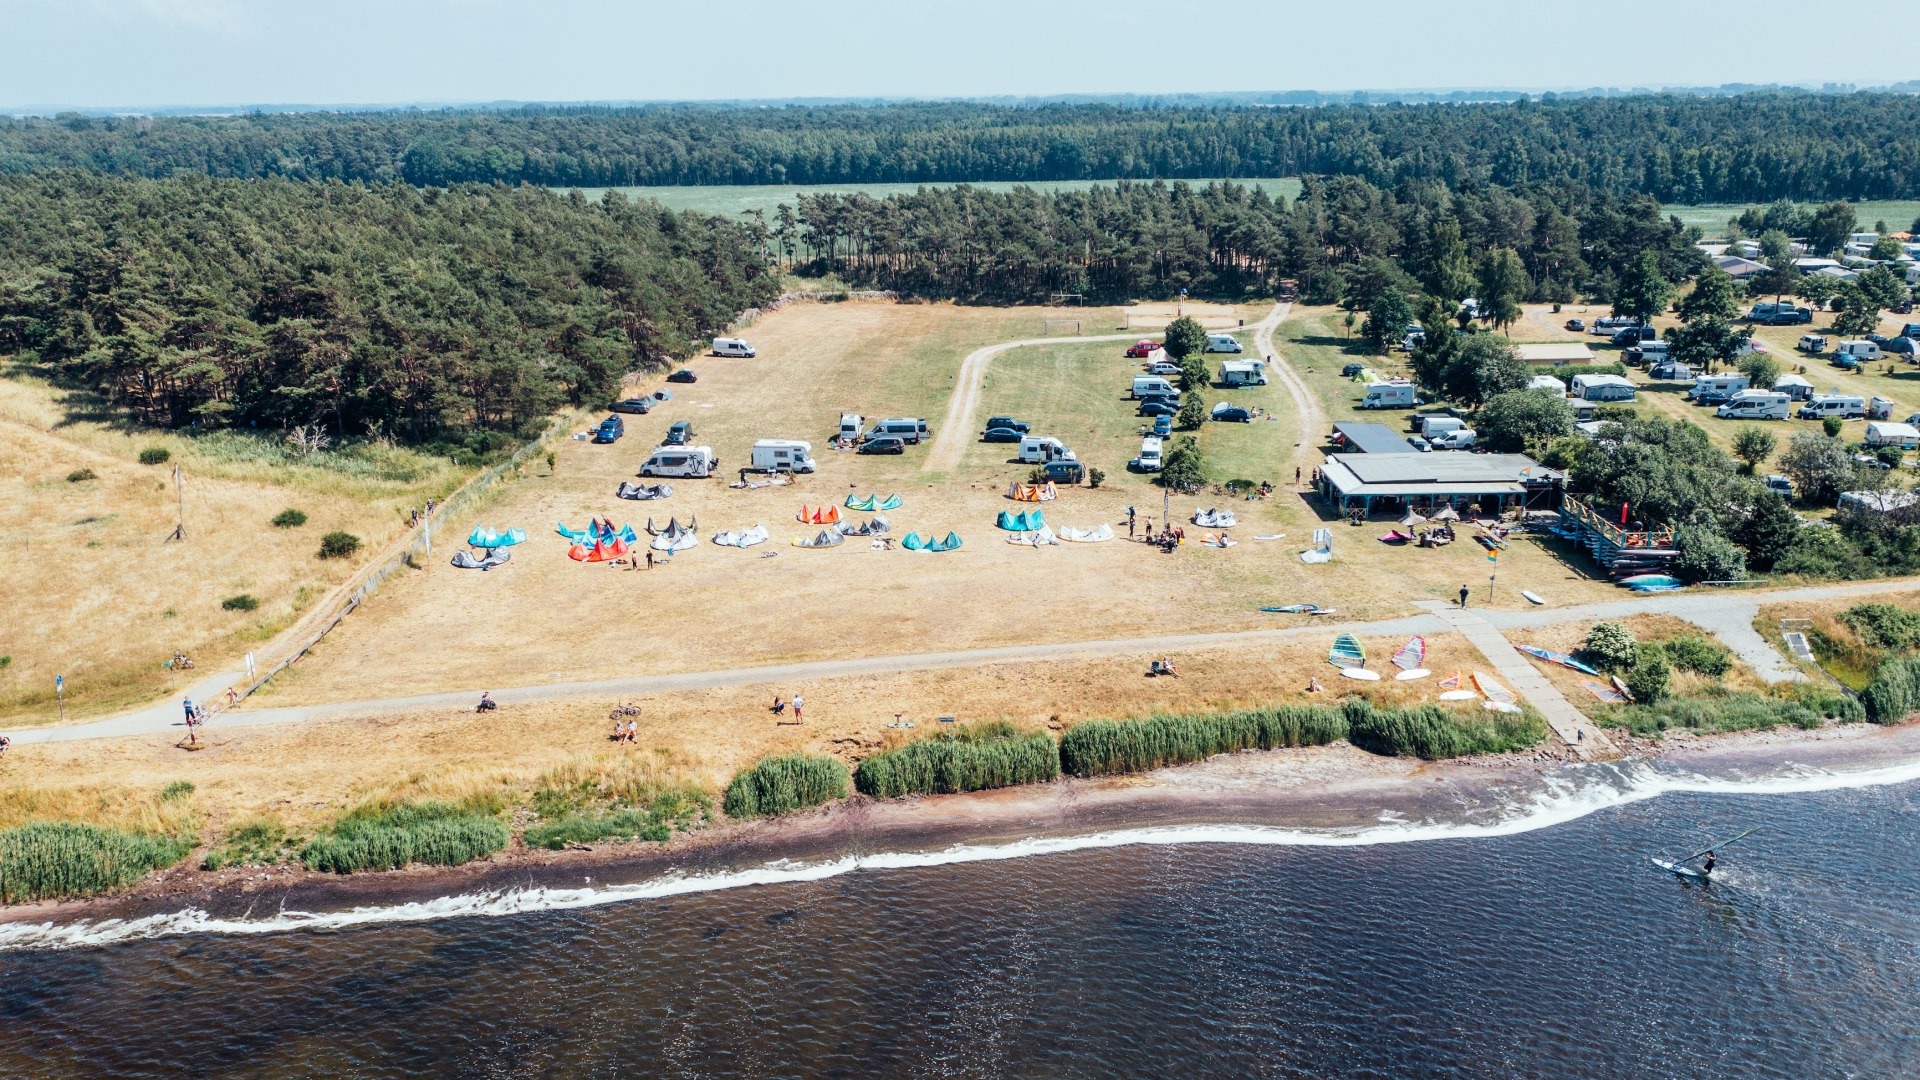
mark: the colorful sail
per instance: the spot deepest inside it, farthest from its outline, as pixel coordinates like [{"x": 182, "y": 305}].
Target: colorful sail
[
  {"x": 1560, "y": 658},
  {"x": 1453, "y": 681},
  {"x": 1347, "y": 653},
  {"x": 1492, "y": 690},
  {"x": 1411, "y": 655},
  {"x": 1604, "y": 692}
]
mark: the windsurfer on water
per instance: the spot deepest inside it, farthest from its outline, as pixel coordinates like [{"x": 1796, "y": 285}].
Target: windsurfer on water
[{"x": 1706, "y": 868}]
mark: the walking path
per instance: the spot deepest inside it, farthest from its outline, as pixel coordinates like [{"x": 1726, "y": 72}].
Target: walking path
[
  {"x": 1572, "y": 725},
  {"x": 1306, "y": 406}
]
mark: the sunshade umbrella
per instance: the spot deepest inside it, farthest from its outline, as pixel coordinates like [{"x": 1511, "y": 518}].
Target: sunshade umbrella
[
  {"x": 1447, "y": 513},
  {"x": 1413, "y": 518}
]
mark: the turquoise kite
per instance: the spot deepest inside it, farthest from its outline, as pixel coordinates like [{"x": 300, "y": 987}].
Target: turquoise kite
[
  {"x": 489, "y": 539},
  {"x": 1025, "y": 521},
  {"x": 874, "y": 503}
]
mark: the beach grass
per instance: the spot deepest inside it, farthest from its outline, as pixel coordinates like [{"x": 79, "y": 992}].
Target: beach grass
[
  {"x": 993, "y": 754},
  {"x": 785, "y": 783},
  {"x": 59, "y": 860},
  {"x": 615, "y": 797},
  {"x": 387, "y": 836},
  {"x": 1715, "y": 710},
  {"x": 256, "y": 841},
  {"x": 1110, "y": 747},
  {"x": 1430, "y": 732}
]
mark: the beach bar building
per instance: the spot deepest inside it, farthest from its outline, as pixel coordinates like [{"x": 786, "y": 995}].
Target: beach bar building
[{"x": 1395, "y": 482}]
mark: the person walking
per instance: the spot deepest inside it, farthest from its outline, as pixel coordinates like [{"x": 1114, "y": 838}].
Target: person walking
[
  {"x": 186, "y": 705},
  {"x": 798, "y": 703},
  {"x": 1296, "y": 475},
  {"x": 1129, "y": 522},
  {"x": 1463, "y": 597}
]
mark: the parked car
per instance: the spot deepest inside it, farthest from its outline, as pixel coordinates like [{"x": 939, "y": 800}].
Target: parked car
[
  {"x": 1158, "y": 408},
  {"x": 1578, "y": 326},
  {"x": 1423, "y": 445},
  {"x": 679, "y": 434},
  {"x": 1064, "y": 472},
  {"x": 1351, "y": 370},
  {"x": 1232, "y": 414},
  {"x": 884, "y": 444},
  {"x": 610, "y": 430},
  {"x": 683, "y": 375},
  {"x": 1007, "y": 422},
  {"x": 1002, "y": 434},
  {"x": 1141, "y": 349},
  {"x": 1163, "y": 426},
  {"x": 641, "y": 405},
  {"x": 1779, "y": 485},
  {"x": 1871, "y": 462},
  {"x": 1163, "y": 367}
]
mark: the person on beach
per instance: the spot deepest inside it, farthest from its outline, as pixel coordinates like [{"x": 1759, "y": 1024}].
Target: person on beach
[
  {"x": 649, "y": 558},
  {"x": 633, "y": 731},
  {"x": 798, "y": 703},
  {"x": 1463, "y": 597},
  {"x": 4, "y": 743},
  {"x": 1313, "y": 685},
  {"x": 1129, "y": 522}
]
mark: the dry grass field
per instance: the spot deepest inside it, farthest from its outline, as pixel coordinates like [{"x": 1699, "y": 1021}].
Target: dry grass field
[{"x": 93, "y": 590}]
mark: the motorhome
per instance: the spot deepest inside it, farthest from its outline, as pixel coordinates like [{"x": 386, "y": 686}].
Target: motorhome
[
  {"x": 1039, "y": 449},
  {"x": 1152, "y": 385},
  {"x": 912, "y": 429},
  {"x": 732, "y": 346},
  {"x": 1756, "y": 405},
  {"x": 783, "y": 455},
  {"x": 1609, "y": 325},
  {"x": 1814, "y": 344},
  {"x": 1222, "y": 343},
  {"x": 1149, "y": 459},
  {"x": 1859, "y": 352},
  {"x": 1388, "y": 395},
  {"x": 1243, "y": 373},
  {"x": 1714, "y": 389},
  {"x": 1603, "y": 387},
  {"x": 686, "y": 461},
  {"x": 1844, "y": 406}
]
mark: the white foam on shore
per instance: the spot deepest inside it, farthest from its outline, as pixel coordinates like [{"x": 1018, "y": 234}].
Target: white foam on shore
[{"x": 1563, "y": 799}]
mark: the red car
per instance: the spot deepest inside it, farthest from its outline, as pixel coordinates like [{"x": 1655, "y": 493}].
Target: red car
[{"x": 1141, "y": 349}]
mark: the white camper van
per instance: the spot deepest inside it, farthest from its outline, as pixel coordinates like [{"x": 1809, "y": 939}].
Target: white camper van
[
  {"x": 732, "y": 346},
  {"x": 1222, "y": 343},
  {"x": 1433, "y": 424},
  {"x": 1844, "y": 406},
  {"x": 1040, "y": 449},
  {"x": 1457, "y": 439},
  {"x": 1243, "y": 373},
  {"x": 1388, "y": 395},
  {"x": 910, "y": 428},
  {"x": 1756, "y": 405},
  {"x": 688, "y": 461},
  {"x": 850, "y": 427},
  {"x": 1149, "y": 385},
  {"x": 783, "y": 455},
  {"x": 1149, "y": 459}
]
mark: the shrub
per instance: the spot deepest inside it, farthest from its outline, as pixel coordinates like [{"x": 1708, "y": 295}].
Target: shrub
[
  {"x": 584, "y": 804},
  {"x": 778, "y": 785},
  {"x": 1698, "y": 654},
  {"x": 338, "y": 545},
  {"x": 1609, "y": 646},
  {"x": 155, "y": 455},
  {"x": 54, "y": 861},
  {"x": 177, "y": 789},
  {"x": 1430, "y": 732},
  {"x": 243, "y": 602},
  {"x": 1884, "y": 626},
  {"x": 289, "y": 519},
  {"x": 1721, "y": 711},
  {"x": 81, "y": 475},
  {"x": 1107, "y": 747},
  {"x": 1894, "y": 692},
  {"x": 252, "y": 842},
  {"x": 1833, "y": 426},
  {"x": 972, "y": 758},
  {"x": 1650, "y": 676},
  {"x": 1096, "y": 477},
  {"x": 390, "y": 836},
  {"x": 588, "y": 828}
]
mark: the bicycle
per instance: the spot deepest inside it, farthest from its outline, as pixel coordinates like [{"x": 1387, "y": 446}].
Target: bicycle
[{"x": 622, "y": 710}]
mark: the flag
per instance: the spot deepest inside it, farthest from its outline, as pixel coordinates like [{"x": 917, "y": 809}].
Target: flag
[
  {"x": 1623, "y": 514},
  {"x": 1493, "y": 555},
  {"x": 59, "y": 683}
]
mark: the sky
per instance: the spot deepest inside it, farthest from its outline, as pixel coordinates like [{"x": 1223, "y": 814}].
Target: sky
[{"x": 152, "y": 53}]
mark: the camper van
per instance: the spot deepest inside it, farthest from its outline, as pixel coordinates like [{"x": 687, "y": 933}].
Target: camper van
[
  {"x": 783, "y": 455},
  {"x": 911, "y": 429},
  {"x": 1431, "y": 424},
  {"x": 1152, "y": 386},
  {"x": 1457, "y": 439},
  {"x": 1603, "y": 388},
  {"x": 1812, "y": 344},
  {"x": 850, "y": 427},
  {"x": 1609, "y": 325},
  {"x": 1388, "y": 395},
  {"x": 1844, "y": 406},
  {"x": 732, "y": 346},
  {"x": 1039, "y": 449},
  {"x": 1149, "y": 459},
  {"x": 688, "y": 461},
  {"x": 1243, "y": 373},
  {"x": 1859, "y": 352},
  {"x": 1715, "y": 389},
  {"x": 1756, "y": 405},
  {"x": 1222, "y": 343}
]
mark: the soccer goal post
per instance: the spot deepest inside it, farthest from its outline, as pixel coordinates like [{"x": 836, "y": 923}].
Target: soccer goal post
[{"x": 1054, "y": 326}]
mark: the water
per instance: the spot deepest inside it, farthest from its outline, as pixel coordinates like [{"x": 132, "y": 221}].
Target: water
[{"x": 1554, "y": 952}]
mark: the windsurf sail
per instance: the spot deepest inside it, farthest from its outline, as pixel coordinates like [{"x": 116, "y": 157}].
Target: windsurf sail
[
  {"x": 1347, "y": 653},
  {"x": 1604, "y": 692},
  {"x": 1492, "y": 690},
  {"x": 1560, "y": 658},
  {"x": 1716, "y": 847},
  {"x": 1411, "y": 655},
  {"x": 1453, "y": 681}
]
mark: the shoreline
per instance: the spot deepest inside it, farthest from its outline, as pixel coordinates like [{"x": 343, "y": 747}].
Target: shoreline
[{"x": 1332, "y": 791}]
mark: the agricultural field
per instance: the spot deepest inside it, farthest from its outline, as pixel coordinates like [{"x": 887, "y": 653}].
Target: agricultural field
[
  {"x": 96, "y": 592},
  {"x": 1711, "y": 218},
  {"x": 733, "y": 199}
]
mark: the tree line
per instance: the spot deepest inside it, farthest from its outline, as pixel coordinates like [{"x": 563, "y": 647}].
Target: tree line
[
  {"x": 379, "y": 310},
  {"x": 1753, "y": 147}
]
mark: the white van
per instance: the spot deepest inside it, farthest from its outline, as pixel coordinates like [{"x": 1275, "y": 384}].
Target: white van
[
  {"x": 783, "y": 455},
  {"x": 1040, "y": 449},
  {"x": 1434, "y": 424},
  {"x": 1812, "y": 343},
  {"x": 1243, "y": 373},
  {"x": 1844, "y": 406},
  {"x": 850, "y": 427},
  {"x": 692, "y": 461},
  {"x": 1149, "y": 459},
  {"x": 912, "y": 429},
  {"x": 1708, "y": 389},
  {"x": 1458, "y": 439},
  {"x": 1860, "y": 351},
  {"x": 732, "y": 346},
  {"x": 1149, "y": 385},
  {"x": 1756, "y": 405},
  {"x": 1388, "y": 395},
  {"x": 1222, "y": 343}
]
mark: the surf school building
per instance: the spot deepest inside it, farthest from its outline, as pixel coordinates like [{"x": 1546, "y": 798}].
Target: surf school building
[{"x": 1468, "y": 482}]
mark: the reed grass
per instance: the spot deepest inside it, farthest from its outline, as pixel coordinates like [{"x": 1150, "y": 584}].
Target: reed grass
[
  {"x": 1430, "y": 732},
  {"x": 788, "y": 782},
  {"x": 1108, "y": 747},
  {"x": 976, "y": 757},
  {"x": 63, "y": 859},
  {"x": 387, "y": 836},
  {"x": 1894, "y": 692}
]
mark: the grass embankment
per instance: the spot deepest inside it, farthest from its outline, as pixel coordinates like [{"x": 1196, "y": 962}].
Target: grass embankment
[
  {"x": 976, "y": 757},
  {"x": 95, "y": 842},
  {"x": 779, "y": 785},
  {"x": 1716, "y": 710},
  {"x": 388, "y": 836},
  {"x": 613, "y": 798}
]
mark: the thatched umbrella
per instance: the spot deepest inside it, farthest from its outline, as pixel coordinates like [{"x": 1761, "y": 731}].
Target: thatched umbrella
[
  {"x": 1413, "y": 518},
  {"x": 1447, "y": 513}
]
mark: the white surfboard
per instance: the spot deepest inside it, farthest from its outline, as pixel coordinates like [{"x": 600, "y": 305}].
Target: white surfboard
[
  {"x": 1531, "y": 598},
  {"x": 1360, "y": 673},
  {"x": 1500, "y": 706},
  {"x": 1458, "y": 695},
  {"x": 1410, "y": 675}
]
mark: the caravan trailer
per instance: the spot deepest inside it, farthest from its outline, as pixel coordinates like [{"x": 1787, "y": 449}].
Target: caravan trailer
[
  {"x": 1715, "y": 389},
  {"x": 1603, "y": 387}
]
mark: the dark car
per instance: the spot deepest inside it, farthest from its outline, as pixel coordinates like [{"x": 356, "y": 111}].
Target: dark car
[
  {"x": 1002, "y": 434},
  {"x": 1232, "y": 414},
  {"x": 610, "y": 430},
  {"x": 1879, "y": 339},
  {"x": 1351, "y": 370},
  {"x": 884, "y": 444},
  {"x": 1158, "y": 408},
  {"x": 679, "y": 434},
  {"x": 1064, "y": 472},
  {"x": 1007, "y": 422},
  {"x": 641, "y": 405},
  {"x": 1577, "y": 325},
  {"x": 683, "y": 375},
  {"x": 1793, "y": 317}
]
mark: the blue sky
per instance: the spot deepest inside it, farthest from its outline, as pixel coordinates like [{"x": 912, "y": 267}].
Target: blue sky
[{"x": 173, "y": 52}]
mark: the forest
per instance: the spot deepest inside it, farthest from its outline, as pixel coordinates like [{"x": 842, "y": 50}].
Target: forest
[
  {"x": 368, "y": 311},
  {"x": 1676, "y": 148}
]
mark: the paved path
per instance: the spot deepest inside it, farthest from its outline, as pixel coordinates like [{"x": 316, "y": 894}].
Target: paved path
[
  {"x": 1572, "y": 725},
  {"x": 956, "y": 429}
]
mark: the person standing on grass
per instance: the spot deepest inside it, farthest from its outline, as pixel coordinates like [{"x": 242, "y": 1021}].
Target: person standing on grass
[
  {"x": 649, "y": 558},
  {"x": 1129, "y": 522},
  {"x": 1463, "y": 597},
  {"x": 4, "y": 743},
  {"x": 798, "y": 703}
]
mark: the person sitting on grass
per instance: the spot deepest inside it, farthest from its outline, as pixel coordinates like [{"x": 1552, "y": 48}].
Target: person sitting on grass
[
  {"x": 1166, "y": 668},
  {"x": 487, "y": 704},
  {"x": 4, "y": 743},
  {"x": 1313, "y": 685},
  {"x": 779, "y": 707}
]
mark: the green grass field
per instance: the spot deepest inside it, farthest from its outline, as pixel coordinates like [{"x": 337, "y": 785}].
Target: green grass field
[
  {"x": 745, "y": 198},
  {"x": 1711, "y": 218}
]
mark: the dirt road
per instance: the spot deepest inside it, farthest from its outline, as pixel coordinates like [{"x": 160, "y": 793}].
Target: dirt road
[{"x": 956, "y": 428}]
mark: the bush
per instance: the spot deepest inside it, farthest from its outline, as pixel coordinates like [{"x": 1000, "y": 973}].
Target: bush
[
  {"x": 1833, "y": 426},
  {"x": 155, "y": 455},
  {"x": 779, "y": 785},
  {"x": 1698, "y": 654},
  {"x": 289, "y": 519},
  {"x": 1096, "y": 477},
  {"x": 588, "y": 828},
  {"x": 1430, "y": 732},
  {"x": 1650, "y": 676},
  {"x": 243, "y": 602},
  {"x": 1884, "y": 626},
  {"x": 59, "y": 860},
  {"x": 972, "y": 758},
  {"x": 338, "y": 545},
  {"x": 387, "y": 837},
  {"x": 1893, "y": 694},
  {"x": 1107, "y": 747},
  {"x": 1609, "y": 647},
  {"x": 177, "y": 789},
  {"x": 79, "y": 476},
  {"x": 1716, "y": 711}
]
